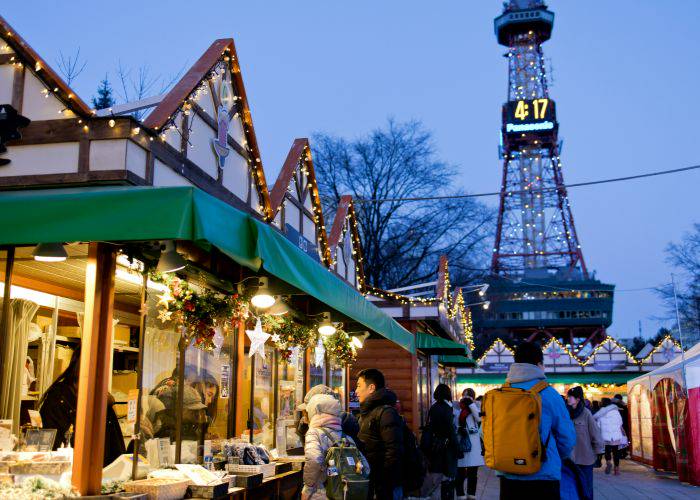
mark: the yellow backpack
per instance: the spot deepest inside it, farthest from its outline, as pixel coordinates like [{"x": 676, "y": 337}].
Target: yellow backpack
[{"x": 511, "y": 426}]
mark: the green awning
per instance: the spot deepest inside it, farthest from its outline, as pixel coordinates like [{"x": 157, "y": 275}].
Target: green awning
[
  {"x": 125, "y": 213},
  {"x": 283, "y": 259},
  {"x": 430, "y": 344},
  {"x": 130, "y": 213},
  {"x": 553, "y": 378},
  {"x": 455, "y": 360}
]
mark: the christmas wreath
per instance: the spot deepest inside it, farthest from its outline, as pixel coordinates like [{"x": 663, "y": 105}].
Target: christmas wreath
[
  {"x": 199, "y": 313},
  {"x": 287, "y": 334},
  {"x": 339, "y": 346}
]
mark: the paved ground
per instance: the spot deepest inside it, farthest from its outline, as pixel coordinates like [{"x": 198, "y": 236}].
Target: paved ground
[{"x": 636, "y": 481}]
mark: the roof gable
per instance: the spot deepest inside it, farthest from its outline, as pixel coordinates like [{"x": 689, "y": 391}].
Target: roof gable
[
  {"x": 25, "y": 57},
  {"x": 183, "y": 106},
  {"x": 345, "y": 224},
  {"x": 296, "y": 190}
]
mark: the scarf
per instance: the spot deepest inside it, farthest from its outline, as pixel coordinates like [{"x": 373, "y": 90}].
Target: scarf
[
  {"x": 523, "y": 372},
  {"x": 576, "y": 411}
]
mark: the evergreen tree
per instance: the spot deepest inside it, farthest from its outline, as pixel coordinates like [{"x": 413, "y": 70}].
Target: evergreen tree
[{"x": 104, "y": 98}]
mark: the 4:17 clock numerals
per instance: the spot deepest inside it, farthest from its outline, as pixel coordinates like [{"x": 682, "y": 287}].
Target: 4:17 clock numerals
[{"x": 522, "y": 109}]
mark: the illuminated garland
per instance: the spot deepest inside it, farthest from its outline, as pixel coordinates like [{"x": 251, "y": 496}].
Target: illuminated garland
[
  {"x": 630, "y": 357},
  {"x": 339, "y": 346},
  {"x": 554, "y": 340},
  {"x": 659, "y": 346},
  {"x": 506, "y": 348},
  {"x": 199, "y": 313}
]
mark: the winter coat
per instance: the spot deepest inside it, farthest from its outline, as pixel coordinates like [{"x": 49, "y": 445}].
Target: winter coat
[
  {"x": 473, "y": 458},
  {"x": 381, "y": 441},
  {"x": 555, "y": 422},
  {"x": 325, "y": 429},
  {"x": 589, "y": 441},
  {"x": 441, "y": 423},
  {"x": 610, "y": 423}
]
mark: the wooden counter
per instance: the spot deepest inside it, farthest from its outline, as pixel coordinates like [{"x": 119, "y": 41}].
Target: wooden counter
[{"x": 285, "y": 486}]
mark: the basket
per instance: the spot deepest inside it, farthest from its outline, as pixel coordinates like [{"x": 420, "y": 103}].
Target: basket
[
  {"x": 159, "y": 489},
  {"x": 267, "y": 470}
]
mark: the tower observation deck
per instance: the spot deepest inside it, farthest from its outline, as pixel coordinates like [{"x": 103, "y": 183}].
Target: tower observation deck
[{"x": 537, "y": 259}]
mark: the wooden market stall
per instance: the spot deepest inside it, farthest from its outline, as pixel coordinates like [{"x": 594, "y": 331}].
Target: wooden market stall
[{"x": 132, "y": 254}]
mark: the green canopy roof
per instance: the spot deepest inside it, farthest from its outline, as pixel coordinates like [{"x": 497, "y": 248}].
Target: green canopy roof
[
  {"x": 283, "y": 259},
  {"x": 553, "y": 378},
  {"x": 431, "y": 344},
  {"x": 129, "y": 213},
  {"x": 125, "y": 213},
  {"x": 456, "y": 360}
]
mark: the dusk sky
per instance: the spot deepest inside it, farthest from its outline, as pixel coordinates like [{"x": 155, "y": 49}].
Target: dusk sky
[{"x": 625, "y": 83}]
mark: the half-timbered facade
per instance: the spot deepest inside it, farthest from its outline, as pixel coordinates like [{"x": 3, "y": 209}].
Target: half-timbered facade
[
  {"x": 345, "y": 244},
  {"x": 199, "y": 134},
  {"x": 296, "y": 205}
]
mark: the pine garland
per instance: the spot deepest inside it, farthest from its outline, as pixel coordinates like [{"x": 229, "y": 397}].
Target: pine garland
[
  {"x": 338, "y": 346},
  {"x": 287, "y": 334}
]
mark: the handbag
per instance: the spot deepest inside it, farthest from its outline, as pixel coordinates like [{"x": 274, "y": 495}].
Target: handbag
[{"x": 465, "y": 442}]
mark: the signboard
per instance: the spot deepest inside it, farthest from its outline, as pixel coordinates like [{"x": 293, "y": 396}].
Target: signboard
[
  {"x": 304, "y": 244},
  {"x": 225, "y": 382},
  {"x": 496, "y": 367},
  {"x": 529, "y": 115},
  {"x": 609, "y": 365}
]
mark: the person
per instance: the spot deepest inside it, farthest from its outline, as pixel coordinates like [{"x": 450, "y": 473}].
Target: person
[
  {"x": 325, "y": 429},
  {"x": 556, "y": 429},
  {"x": 194, "y": 418},
  {"x": 624, "y": 414},
  {"x": 349, "y": 422},
  {"x": 58, "y": 409},
  {"x": 589, "y": 441},
  {"x": 380, "y": 438},
  {"x": 443, "y": 454},
  {"x": 610, "y": 423},
  {"x": 468, "y": 422},
  {"x": 595, "y": 406}
]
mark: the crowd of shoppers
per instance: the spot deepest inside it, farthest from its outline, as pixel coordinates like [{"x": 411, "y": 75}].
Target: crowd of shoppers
[{"x": 574, "y": 436}]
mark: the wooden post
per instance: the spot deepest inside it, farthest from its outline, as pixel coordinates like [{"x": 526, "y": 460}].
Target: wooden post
[
  {"x": 6, "y": 298},
  {"x": 95, "y": 362},
  {"x": 139, "y": 375},
  {"x": 240, "y": 388}
]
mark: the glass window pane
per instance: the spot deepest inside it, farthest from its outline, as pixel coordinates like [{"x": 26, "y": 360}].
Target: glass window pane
[
  {"x": 263, "y": 399},
  {"x": 337, "y": 374}
]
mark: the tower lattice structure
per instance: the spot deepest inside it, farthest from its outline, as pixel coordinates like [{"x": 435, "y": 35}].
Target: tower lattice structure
[{"x": 535, "y": 224}]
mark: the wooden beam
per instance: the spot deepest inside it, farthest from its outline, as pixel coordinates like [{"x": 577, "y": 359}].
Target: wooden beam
[
  {"x": 18, "y": 89},
  {"x": 95, "y": 176},
  {"x": 7, "y": 58},
  {"x": 72, "y": 130},
  {"x": 83, "y": 155},
  {"x": 95, "y": 362},
  {"x": 185, "y": 134}
]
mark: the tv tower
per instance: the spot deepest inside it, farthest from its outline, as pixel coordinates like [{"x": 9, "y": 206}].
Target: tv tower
[
  {"x": 535, "y": 225},
  {"x": 539, "y": 286}
]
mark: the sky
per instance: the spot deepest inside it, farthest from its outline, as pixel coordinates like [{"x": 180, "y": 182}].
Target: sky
[{"x": 625, "y": 79}]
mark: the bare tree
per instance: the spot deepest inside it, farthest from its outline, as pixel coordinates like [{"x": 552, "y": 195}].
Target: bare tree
[
  {"x": 70, "y": 66},
  {"x": 141, "y": 83},
  {"x": 685, "y": 258},
  {"x": 402, "y": 241}
]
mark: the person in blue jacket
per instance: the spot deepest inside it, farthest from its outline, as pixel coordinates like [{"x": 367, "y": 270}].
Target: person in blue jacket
[{"x": 556, "y": 430}]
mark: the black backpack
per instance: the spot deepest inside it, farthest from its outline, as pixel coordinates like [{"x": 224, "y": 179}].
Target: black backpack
[{"x": 414, "y": 463}]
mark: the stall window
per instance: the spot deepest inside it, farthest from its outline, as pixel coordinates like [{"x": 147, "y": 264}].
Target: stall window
[
  {"x": 290, "y": 392},
  {"x": 423, "y": 389},
  {"x": 336, "y": 379},
  {"x": 317, "y": 365},
  {"x": 263, "y": 399}
]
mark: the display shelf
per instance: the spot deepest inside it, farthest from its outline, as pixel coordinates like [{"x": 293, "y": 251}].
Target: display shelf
[{"x": 125, "y": 348}]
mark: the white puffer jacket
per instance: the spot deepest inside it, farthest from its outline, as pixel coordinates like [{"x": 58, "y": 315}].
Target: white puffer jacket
[
  {"x": 610, "y": 423},
  {"x": 324, "y": 420}
]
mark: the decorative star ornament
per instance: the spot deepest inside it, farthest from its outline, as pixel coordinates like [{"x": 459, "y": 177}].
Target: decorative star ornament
[
  {"x": 257, "y": 339},
  {"x": 275, "y": 338},
  {"x": 164, "y": 315},
  {"x": 165, "y": 299}
]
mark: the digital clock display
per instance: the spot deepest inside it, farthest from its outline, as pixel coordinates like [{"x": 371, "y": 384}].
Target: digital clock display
[{"x": 529, "y": 115}]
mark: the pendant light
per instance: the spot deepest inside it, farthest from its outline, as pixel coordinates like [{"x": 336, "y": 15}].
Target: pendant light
[
  {"x": 170, "y": 261},
  {"x": 262, "y": 298},
  {"x": 326, "y": 328},
  {"x": 49, "y": 252}
]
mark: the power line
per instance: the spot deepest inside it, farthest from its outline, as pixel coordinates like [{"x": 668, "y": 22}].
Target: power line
[{"x": 510, "y": 193}]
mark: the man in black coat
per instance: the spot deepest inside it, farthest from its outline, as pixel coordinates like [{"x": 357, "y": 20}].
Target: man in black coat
[{"x": 381, "y": 435}]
